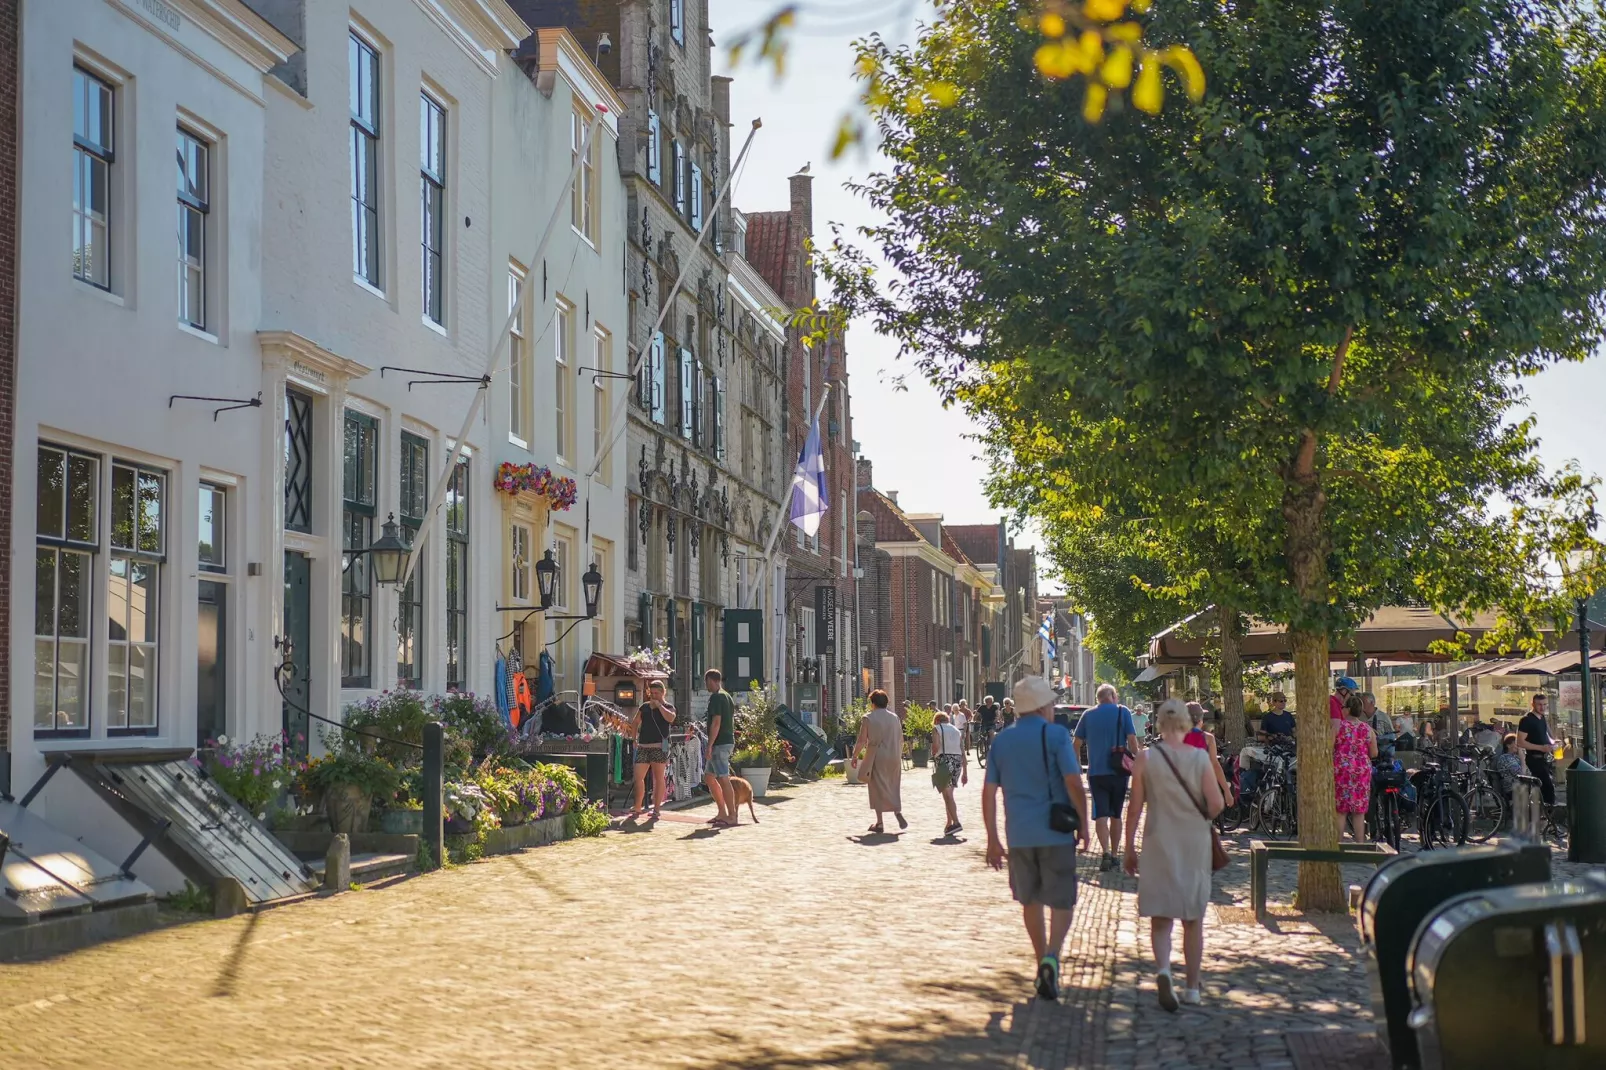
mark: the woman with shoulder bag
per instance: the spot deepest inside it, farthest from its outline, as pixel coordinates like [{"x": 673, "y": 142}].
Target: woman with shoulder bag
[
  {"x": 950, "y": 766},
  {"x": 1175, "y": 784}
]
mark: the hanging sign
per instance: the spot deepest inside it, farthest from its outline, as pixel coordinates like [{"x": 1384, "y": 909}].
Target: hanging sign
[{"x": 825, "y": 614}]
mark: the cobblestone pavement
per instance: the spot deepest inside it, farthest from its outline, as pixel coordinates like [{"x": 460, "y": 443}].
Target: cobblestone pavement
[{"x": 800, "y": 942}]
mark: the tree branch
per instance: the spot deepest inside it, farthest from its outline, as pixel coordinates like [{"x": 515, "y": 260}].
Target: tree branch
[{"x": 1338, "y": 361}]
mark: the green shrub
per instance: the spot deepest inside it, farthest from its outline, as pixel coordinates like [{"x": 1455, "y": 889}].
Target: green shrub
[
  {"x": 589, "y": 820},
  {"x": 348, "y": 763},
  {"x": 191, "y": 900},
  {"x": 918, "y": 722}
]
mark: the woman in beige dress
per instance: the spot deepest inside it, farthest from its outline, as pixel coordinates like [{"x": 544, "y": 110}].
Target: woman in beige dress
[
  {"x": 1177, "y": 786},
  {"x": 880, "y": 750}
]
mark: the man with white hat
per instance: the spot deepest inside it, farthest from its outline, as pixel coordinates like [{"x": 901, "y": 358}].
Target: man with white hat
[{"x": 1033, "y": 763}]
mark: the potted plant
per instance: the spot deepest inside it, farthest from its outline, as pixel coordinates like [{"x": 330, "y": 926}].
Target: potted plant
[
  {"x": 918, "y": 723},
  {"x": 347, "y": 780},
  {"x": 753, "y": 763}
]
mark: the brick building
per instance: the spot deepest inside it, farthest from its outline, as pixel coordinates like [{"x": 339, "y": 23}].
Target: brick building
[
  {"x": 817, "y": 574},
  {"x": 1007, "y": 642}
]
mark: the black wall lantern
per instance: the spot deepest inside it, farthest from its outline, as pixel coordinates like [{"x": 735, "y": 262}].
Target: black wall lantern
[
  {"x": 592, "y": 583},
  {"x": 546, "y": 578},
  {"x": 387, "y": 557}
]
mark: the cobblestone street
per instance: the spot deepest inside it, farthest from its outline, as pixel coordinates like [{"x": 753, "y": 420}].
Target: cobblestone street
[{"x": 799, "y": 942}]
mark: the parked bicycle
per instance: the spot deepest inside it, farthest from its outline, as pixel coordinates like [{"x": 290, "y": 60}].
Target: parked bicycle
[
  {"x": 1390, "y": 802},
  {"x": 1276, "y": 811},
  {"x": 1475, "y": 778},
  {"x": 1441, "y": 810}
]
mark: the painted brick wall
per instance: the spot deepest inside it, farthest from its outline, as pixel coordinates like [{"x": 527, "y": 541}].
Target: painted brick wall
[{"x": 9, "y": 14}]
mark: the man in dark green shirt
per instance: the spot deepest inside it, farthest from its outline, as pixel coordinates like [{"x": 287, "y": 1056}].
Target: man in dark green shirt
[{"x": 721, "y": 741}]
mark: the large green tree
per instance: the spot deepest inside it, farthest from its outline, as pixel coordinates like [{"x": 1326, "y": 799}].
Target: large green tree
[{"x": 1292, "y": 319}]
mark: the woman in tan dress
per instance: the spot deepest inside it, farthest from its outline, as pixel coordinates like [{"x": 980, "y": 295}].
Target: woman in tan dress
[
  {"x": 1176, "y": 784},
  {"x": 880, "y": 748}
]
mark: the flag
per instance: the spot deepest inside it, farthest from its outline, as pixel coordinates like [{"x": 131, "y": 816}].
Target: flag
[
  {"x": 1045, "y": 632},
  {"x": 810, "y": 496}
]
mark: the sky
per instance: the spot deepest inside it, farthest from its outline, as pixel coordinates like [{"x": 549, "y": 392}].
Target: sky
[{"x": 919, "y": 449}]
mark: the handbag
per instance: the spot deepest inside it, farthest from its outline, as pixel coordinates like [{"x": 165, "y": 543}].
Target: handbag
[
  {"x": 1062, "y": 817},
  {"x": 1218, "y": 853}
]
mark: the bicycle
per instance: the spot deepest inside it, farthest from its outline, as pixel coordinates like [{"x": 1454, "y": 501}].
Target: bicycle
[
  {"x": 1383, "y": 816},
  {"x": 981, "y": 737},
  {"x": 1277, "y": 812},
  {"x": 1486, "y": 806},
  {"x": 1441, "y": 810}
]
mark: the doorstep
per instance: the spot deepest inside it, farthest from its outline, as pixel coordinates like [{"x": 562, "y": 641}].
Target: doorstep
[
  {"x": 369, "y": 867},
  {"x": 315, "y": 845},
  {"x": 69, "y": 932}
]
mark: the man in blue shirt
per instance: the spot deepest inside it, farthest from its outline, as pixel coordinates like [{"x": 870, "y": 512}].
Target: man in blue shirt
[
  {"x": 1279, "y": 722},
  {"x": 1032, "y": 762},
  {"x": 1102, "y": 729}
]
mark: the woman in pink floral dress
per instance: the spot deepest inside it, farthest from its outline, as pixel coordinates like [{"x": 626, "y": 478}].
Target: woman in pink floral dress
[{"x": 1354, "y": 746}]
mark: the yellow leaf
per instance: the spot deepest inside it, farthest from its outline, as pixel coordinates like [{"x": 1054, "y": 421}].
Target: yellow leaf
[
  {"x": 1141, "y": 6},
  {"x": 1186, "y": 64},
  {"x": 1052, "y": 24},
  {"x": 1056, "y": 60},
  {"x": 1103, "y": 10},
  {"x": 1117, "y": 70},
  {"x": 914, "y": 104},
  {"x": 1093, "y": 102},
  {"x": 866, "y": 66},
  {"x": 848, "y": 133},
  {"x": 1090, "y": 49},
  {"x": 1148, "y": 94},
  {"x": 1130, "y": 32},
  {"x": 943, "y": 94}
]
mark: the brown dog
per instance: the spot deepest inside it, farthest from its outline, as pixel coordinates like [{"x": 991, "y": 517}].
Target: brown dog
[{"x": 744, "y": 794}]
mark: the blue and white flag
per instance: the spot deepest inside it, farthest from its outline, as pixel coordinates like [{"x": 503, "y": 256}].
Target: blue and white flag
[
  {"x": 1045, "y": 632},
  {"x": 810, "y": 496}
]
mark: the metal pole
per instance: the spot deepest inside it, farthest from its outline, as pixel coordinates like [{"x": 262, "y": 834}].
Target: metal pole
[
  {"x": 858, "y": 650},
  {"x": 434, "y": 828},
  {"x": 1452, "y": 723},
  {"x": 797, "y": 477},
  {"x": 1584, "y": 694}
]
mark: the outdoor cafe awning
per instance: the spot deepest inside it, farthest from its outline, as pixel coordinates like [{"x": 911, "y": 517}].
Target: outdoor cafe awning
[{"x": 1400, "y": 633}]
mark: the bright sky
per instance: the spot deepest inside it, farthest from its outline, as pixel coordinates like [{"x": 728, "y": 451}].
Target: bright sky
[{"x": 918, "y": 448}]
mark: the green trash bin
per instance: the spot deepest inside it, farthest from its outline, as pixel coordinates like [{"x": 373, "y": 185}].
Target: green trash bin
[{"x": 1586, "y": 814}]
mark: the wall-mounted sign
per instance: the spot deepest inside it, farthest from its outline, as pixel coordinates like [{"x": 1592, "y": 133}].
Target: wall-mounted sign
[{"x": 825, "y": 615}]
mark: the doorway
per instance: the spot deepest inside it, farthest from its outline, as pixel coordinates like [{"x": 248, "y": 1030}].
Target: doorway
[{"x": 298, "y": 630}]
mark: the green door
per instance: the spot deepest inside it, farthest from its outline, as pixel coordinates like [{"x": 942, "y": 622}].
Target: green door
[{"x": 298, "y": 629}]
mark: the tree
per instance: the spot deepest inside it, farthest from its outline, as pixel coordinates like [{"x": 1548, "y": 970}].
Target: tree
[{"x": 1292, "y": 319}]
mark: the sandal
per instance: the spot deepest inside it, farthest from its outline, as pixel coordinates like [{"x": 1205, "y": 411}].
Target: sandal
[{"x": 878, "y": 828}]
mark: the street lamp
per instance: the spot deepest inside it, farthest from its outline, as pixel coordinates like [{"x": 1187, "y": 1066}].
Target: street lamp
[
  {"x": 591, "y": 583},
  {"x": 387, "y": 556},
  {"x": 546, "y": 578}
]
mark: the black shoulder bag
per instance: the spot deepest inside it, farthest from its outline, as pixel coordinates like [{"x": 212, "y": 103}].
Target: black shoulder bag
[{"x": 1062, "y": 817}]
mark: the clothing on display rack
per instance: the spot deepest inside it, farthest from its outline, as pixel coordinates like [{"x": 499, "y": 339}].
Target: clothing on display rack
[
  {"x": 544, "y": 687},
  {"x": 504, "y": 697}
]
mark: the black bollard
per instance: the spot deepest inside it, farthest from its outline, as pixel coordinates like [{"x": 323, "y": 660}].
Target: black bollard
[{"x": 434, "y": 829}]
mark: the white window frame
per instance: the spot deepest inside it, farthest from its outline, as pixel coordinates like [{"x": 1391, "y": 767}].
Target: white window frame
[
  {"x": 563, "y": 380},
  {"x": 93, "y": 151},
  {"x": 518, "y": 361},
  {"x": 583, "y": 194},
  {"x": 432, "y": 207},
  {"x": 367, "y": 220},
  {"x": 655, "y": 150},
  {"x": 125, "y": 559},
  {"x": 520, "y": 540},
  {"x": 194, "y": 214},
  {"x": 677, "y": 21},
  {"x": 601, "y": 407}
]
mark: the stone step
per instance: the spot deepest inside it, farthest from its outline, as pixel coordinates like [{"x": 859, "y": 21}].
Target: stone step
[{"x": 368, "y": 867}]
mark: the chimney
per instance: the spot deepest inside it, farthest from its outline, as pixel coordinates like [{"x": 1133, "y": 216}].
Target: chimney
[
  {"x": 803, "y": 202},
  {"x": 892, "y": 496},
  {"x": 866, "y": 474},
  {"x": 720, "y": 97}
]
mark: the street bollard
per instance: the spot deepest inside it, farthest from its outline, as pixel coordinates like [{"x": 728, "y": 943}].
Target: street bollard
[
  {"x": 434, "y": 839},
  {"x": 337, "y": 864}
]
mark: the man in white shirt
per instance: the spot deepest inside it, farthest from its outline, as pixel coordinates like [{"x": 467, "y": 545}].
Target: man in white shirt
[{"x": 960, "y": 718}]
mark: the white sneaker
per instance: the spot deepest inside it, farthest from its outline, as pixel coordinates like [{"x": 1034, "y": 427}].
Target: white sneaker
[
  {"x": 1168, "y": 994},
  {"x": 1191, "y": 995}
]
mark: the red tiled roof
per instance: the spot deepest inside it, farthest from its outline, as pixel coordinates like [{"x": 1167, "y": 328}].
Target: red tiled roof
[
  {"x": 890, "y": 524},
  {"x": 768, "y": 237},
  {"x": 951, "y": 547},
  {"x": 978, "y": 541}
]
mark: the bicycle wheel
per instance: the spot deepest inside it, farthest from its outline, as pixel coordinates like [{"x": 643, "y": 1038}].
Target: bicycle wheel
[
  {"x": 1273, "y": 814},
  {"x": 1485, "y": 811},
  {"x": 1231, "y": 816},
  {"x": 1445, "y": 821},
  {"x": 1388, "y": 820}
]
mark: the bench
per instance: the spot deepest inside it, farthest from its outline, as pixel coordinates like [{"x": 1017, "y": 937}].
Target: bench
[{"x": 1261, "y": 853}]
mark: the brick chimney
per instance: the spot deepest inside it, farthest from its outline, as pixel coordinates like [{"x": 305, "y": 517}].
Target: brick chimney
[{"x": 866, "y": 474}]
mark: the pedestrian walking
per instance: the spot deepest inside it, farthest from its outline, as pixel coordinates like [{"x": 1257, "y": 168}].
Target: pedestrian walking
[
  {"x": 721, "y": 741},
  {"x": 651, "y": 723},
  {"x": 1533, "y": 739},
  {"x": 1033, "y": 763},
  {"x": 1200, "y": 738},
  {"x": 1171, "y": 782},
  {"x": 1354, "y": 747},
  {"x": 959, "y": 717},
  {"x": 880, "y": 749},
  {"x": 1106, "y": 736},
  {"x": 950, "y": 767}
]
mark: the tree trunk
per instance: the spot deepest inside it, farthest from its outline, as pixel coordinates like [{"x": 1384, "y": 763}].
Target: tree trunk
[{"x": 1232, "y": 675}]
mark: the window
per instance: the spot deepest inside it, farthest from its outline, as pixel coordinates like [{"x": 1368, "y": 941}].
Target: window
[
  {"x": 68, "y": 526},
  {"x": 677, "y": 21},
  {"x": 657, "y": 550},
  {"x": 562, "y": 599},
  {"x": 583, "y": 195},
  {"x": 687, "y": 404},
  {"x": 719, "y": 419},
  {"x": 677, "y": 160},
  {"x": 519, "y": 558},
  {"x": 601, "y": 448},
  {"x": 655, "y": 161},
  {"x": 297, "y": 461},
  {"x": 602, "y": 557},
  {"x": 132, "y": 598},
  {"x": 563, "y": 384},
  {"x": 212, "y": 659},
  {"x": 696, "y": 197},
  {"x": 410, "y": 605},
  {"x": 518, "y": 357},
  {"x": 432, "y": 205},
  {"x": 682, "y": 558},
  {"x": 457, "y": 576},
  {"x": 193, "y": 207},
  {"x": 363, "y": 61},
  {"x": 357, "y": 530},
  {"x": 655, "y": 360},
  {"x": 91, "y": 189}
]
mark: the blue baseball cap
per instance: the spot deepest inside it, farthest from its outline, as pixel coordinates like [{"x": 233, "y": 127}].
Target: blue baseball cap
[{"x": 1347, "y": 684}]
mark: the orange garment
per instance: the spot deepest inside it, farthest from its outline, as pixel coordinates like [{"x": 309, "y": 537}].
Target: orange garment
[{"x": 521, "y": 699}]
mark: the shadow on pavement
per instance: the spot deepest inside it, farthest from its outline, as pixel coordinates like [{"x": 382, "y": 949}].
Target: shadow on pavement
[
  {"x": 874, "y": 839},
  {"x": 229, "y": 975}
]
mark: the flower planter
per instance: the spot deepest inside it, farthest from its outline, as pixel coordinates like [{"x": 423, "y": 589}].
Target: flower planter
[
  {"x": 348, "y": 807},
  {"x": 758, "y": 777},
  {"x": 402, "y": 822},
  {"x": 920, "y": 756}
]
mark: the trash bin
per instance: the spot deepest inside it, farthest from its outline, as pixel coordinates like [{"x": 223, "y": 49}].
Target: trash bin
[
  {"x": 1586, "y": 814},
  {"x": 1403, "y": 891},
  {"x": 1513, "y": 977}
]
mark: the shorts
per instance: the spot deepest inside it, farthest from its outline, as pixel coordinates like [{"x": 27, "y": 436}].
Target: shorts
[
  {"x": 651, "y": 754},
  {"x": 719, "y": 761},
  {"x": 1109, "y": 794},
  {"x": 1044, "y": 876}
]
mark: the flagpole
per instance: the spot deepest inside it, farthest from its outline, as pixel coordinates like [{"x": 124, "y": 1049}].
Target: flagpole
[{"x": 769, "y": 547}]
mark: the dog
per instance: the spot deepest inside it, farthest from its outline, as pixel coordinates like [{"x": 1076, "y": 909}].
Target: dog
[{"x": 744, "y": 794}]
